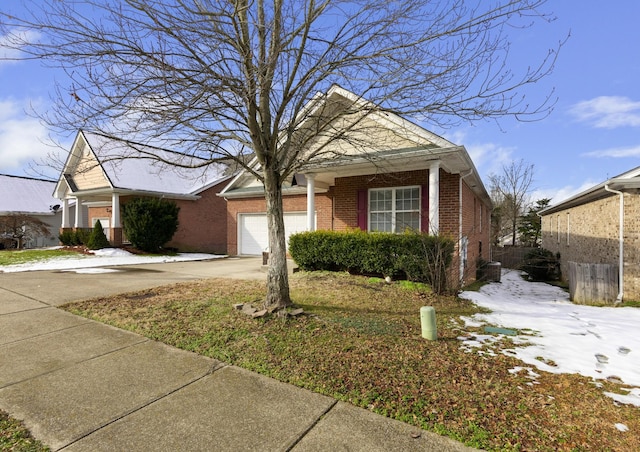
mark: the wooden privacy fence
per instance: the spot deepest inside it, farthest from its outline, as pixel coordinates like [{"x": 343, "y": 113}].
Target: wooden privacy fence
[{"x": 593, "y": 283}]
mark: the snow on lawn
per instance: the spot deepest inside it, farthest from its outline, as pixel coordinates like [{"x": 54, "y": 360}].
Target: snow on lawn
[
  {"x": 106, "y": 257},
  {"x": 558, "y": 336}
]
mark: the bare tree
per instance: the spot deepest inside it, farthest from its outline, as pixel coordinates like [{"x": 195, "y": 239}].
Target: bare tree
[
  {"x": 510, "y": 192},
  {"x": 224, "y": 79},
  {"x": 22, "y": 227}
]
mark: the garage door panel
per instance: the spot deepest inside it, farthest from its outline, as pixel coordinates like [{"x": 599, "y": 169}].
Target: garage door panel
[
  {"x": 254, "y": 237},
  {"x": 253, "y": 230}
]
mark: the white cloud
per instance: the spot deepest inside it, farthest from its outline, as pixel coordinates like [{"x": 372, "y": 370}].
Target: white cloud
[
  {"x": 22, "y": 138},
  {"x": 8, "y": 43},
  {"x": 631, "y": 151},
  {"x": 489, "y": 158},
  {"x": 561, "y": 193},
  {"x": 608, "y": 112}
]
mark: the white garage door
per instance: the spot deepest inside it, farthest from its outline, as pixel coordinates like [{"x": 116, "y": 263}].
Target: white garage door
[{"x": 253, "y": 237}]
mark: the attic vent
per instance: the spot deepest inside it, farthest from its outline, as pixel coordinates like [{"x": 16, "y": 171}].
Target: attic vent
[{"x": 72, "y": 185}]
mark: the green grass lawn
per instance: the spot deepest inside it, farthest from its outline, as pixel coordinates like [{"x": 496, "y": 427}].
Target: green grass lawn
[
  {"x": 360, "y": 342},
  {"x": 16, "y": 438},
  {"x": 11, "y": 257}
]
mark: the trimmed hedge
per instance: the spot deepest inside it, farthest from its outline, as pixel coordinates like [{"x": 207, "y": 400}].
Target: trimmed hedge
[
  {"x": 414, "y": 256},
  {"x": 73, "y": 238}
]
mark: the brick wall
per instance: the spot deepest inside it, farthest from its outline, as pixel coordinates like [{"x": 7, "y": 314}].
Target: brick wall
[
  {"x": 449, "y": 202},
  {"x": 98, "y": 212},
  {"x": 346, "y": 190},
  {"x": 476, "y": 224},
  {"x": 589, "y": 234},
  {"x": 202, "y": 223}
]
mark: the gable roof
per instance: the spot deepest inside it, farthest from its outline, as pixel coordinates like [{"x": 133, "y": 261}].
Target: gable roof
[
  {"x": 627, "y": 181},
  {"x": 135, "y": 168},
  {"x": 26, "y": 195},
  {"x": 390, "y": 143}
]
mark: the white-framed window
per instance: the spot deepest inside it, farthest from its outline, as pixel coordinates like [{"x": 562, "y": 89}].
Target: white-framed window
[{"x": 394, "y": 209}]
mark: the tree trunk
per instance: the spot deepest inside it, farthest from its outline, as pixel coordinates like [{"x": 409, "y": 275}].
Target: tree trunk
[{"x": 277, "y": 276}]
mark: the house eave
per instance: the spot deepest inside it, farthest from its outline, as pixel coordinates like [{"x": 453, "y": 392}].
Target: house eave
[
  {"x": 258, "y": 192},
  {"x": 592, "y": 194},
  {"x": 96, "y": 192}
]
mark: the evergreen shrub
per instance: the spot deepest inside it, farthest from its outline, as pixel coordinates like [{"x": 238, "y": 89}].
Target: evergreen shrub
[
  {"x": 66, "y": 238},
  {"x": 97, "y": 240},
  {"x": 541, "y": 265},
  {"x": 80, "y": 237},
  {"x": 149, "y": 223}
]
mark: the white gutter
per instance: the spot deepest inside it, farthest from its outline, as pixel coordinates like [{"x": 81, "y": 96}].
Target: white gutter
[{"x": 620, "y": 244}]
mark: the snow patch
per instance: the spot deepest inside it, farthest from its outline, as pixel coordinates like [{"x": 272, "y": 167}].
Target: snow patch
[
  {"x": 558, "y": 336},
  {"x": 107, "y": 257}
]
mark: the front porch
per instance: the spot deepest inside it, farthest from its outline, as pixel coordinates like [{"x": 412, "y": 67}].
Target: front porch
[{"x": 90, "y": 209}]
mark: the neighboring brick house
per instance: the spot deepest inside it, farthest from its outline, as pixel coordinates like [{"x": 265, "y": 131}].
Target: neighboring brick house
[
  {"x": 413, "y": 180},
  {"x": 97, "y": 179},
  {"x": 34, "y": 198},
  {"x": 599, "y": 226}
]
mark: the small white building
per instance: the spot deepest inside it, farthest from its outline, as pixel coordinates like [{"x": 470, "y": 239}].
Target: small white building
[{"x": 33, "y": 197}]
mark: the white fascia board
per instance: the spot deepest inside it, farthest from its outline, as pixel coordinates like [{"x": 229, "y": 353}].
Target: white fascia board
[{"x": 61, "y": 187}]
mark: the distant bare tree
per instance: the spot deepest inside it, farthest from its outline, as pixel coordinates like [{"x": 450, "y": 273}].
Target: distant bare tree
[
  {"x": 223, "y": 79},
  {"x": 21, "y": 228},
  {"x": 510, "y": 193}
]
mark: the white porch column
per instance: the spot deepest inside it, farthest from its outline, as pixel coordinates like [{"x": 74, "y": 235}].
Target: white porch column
[
  {"x": 434, "y": 198},
  {"x": 79, "y": 222},
  {"x": 115, "y": 210},
  {"x": 311, "y": 202},
  {"x": 65, "y": 214}
]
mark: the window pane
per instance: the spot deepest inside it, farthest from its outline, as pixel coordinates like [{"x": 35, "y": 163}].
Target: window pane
[
  {"x": 380, "y": 200},
  {"x": 407, "y": 221},
  {"x": 408, "y": 199},
  {"x": 394, "y": 209},
  {"x": 381, "y": 222}
]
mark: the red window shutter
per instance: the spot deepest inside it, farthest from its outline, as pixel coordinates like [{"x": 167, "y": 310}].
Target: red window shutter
[
  {"x": 424, "y": 209},
  {"x": 362, "y": 209}
]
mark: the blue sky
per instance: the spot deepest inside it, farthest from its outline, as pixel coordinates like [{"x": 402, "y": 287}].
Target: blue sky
[{"x": 592, "y": 134}]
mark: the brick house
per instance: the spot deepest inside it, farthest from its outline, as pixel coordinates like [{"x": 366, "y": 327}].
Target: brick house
[
  {"x": 406, "y": 178},
  {"x": 601, "y": 225},
  {"x": 98, "y": 180}
]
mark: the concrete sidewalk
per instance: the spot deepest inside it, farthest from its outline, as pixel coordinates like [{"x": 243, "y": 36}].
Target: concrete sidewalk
[{"x": 79, "y": 385}]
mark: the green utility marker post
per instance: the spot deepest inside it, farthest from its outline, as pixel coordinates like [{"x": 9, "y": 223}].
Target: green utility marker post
[{"x": 428, "y": 322}]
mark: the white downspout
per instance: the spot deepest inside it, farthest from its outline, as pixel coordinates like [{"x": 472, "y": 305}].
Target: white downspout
[
  {"x": 434, "y": 198},
  {"x": 620, "y": 244},
  {"x": 460, "y": 230}
]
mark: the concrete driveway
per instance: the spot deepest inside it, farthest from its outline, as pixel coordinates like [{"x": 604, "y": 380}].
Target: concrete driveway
[{"x": 57, "y": 287}]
